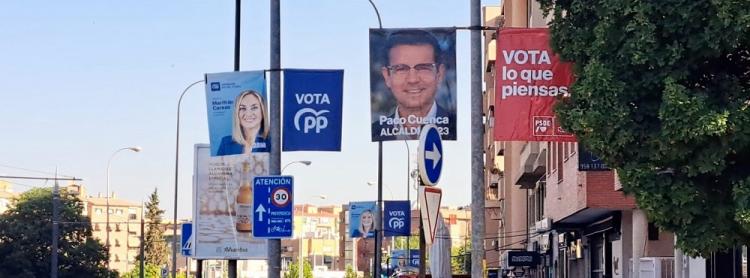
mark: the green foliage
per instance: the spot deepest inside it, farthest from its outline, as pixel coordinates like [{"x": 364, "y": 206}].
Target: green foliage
[
  {"x": 156, "y": 249},
  {"x": 293, "y": 271},
  {"x": 350, "y": 272},
  {"x": 26, "y": 238},
  {"x": 461, "y": 259},
  {"x": 662, "y": 95},
  {"x": 152, "y": 271}
]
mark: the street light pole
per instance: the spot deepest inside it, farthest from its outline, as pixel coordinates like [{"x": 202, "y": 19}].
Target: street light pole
[
  {"x": 176, "y": 168},
  {"x": 300, "y": 266},
  {"x": 109, "y": 164}
]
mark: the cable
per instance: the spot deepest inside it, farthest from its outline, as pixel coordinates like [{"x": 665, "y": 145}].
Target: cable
[{"x": 34, "y": 171}]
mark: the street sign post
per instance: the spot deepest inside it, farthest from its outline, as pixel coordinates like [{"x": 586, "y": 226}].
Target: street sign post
[
  {"x": 273, "y": 206},
  {"x": 187, "y": 239},
  {"x": 430, "y": 154}
]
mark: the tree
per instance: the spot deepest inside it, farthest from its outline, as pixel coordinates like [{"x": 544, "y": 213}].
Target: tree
[
  {"x": 350, "y": 272},
  {"x": 461, "y": 259},
  {"x": 157, "y": 252},
  {"x": 152, "y": 271},
  {"x": 25, "y": 238},
  {"x": 662, "y": 95},
  {"x": 293, "y": 271}
]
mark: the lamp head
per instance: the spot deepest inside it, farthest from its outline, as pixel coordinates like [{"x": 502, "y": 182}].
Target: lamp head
[
  {"x": 136, "y": 148},
  {"x": 306, "y": 162}
]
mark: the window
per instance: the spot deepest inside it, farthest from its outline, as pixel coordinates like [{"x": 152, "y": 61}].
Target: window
[
  {"x": 96, "y": 227},
  {"x": 98, "y": 211},
  {"x": 117, "y": 258},
  {"x": 653, "y": 232},
  {"x": 119, "y": 211},
  {"x": 117, "y": 243},
  {"x": 111, "y": 211},
  {"x": 132, "y": 213},
  {"x": 117, "y": 227}
]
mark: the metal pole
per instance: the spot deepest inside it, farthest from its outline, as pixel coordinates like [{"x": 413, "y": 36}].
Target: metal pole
[
  {"x": 422, "y": 243},
  {"x": 274, "y": 245},
  {"x": 379, "y": 215},
  {"x": 143, "y": 241},
  {"x": 109, "y": 164},
  {"x": 199, "y": 269},
  {"x": 232, "y": 264},
  {"x": 55, "y": 229},
  {"x": 477, "y": 135},
  {"x": 408, "y": 199},
  {"x": 176, "y": 179}
]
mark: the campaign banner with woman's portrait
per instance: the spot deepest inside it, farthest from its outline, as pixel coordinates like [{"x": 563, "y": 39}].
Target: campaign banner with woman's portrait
[
  {"x": 238, "y": 120},
  {"x": 412, "y": 82},
  {"x": 362, "y": 219}
]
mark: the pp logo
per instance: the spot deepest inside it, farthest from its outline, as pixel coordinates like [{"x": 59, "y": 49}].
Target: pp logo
[
  {"x": 543, "y": 126},
  {"x": 396, "y": 223},
  {"x": 215, "y": 86},
  {"x": 310, "y": 119}
]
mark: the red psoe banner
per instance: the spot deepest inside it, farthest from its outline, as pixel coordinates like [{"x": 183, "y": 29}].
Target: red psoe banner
[{"x": 529, "y": 78}]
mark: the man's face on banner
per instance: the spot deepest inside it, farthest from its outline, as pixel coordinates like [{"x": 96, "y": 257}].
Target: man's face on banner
[{"x": 413, "y": 75}]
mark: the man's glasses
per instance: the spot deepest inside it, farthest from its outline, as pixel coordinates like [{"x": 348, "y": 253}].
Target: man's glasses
[{"x": 426, "y": 70}]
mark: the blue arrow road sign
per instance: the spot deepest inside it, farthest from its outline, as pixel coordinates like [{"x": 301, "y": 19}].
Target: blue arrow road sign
[
  {"x": 273, "y": 207},
  {"x": 430, "y": 154},
  {"x": 187, "y": 242}
]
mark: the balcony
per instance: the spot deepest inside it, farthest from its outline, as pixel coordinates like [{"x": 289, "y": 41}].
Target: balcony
[{"x": 533, "y": 164}]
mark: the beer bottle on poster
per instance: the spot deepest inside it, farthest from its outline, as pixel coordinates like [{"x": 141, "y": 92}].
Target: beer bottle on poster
[{"x": 244, "y": 201}]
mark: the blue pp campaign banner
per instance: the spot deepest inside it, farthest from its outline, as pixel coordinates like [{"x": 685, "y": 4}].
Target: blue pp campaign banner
[
  {"x": 312, "y": 110},
  {"x": 238, "y": 120},
  {"x": 362, "y": 219},
  {"x": 401, "y": 259},
  {"x": 397, "y": 218}
]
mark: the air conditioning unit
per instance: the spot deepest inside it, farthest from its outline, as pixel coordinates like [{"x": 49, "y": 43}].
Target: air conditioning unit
[{"x": 656, "y": 267}]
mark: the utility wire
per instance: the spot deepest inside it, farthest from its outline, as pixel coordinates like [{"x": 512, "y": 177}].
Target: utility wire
[{"x": 34, "y": 171}]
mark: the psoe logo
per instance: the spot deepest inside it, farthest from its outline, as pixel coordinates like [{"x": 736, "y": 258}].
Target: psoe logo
[
  {"x": 542, "y": 125},
  {"x": 396, "y": 223},
  {"x": 310, "y": 119},
  {"x": 215, "y": 86}
]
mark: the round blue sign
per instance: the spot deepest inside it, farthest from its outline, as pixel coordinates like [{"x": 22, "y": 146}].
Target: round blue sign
[{"x": 430, "y": 154}]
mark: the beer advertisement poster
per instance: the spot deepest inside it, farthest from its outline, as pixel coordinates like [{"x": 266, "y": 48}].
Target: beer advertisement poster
[
  {"x": 530, "y": 79},
  {"x": 222, "y": 204}
]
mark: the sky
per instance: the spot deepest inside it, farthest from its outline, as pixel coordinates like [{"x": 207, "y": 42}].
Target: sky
[{"x": 81, "y": 79}]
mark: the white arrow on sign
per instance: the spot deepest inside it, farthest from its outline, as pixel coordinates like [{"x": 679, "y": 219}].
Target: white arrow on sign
[
  {"x": 433, "y": 155},
  {"x": 260, "y": 210}
]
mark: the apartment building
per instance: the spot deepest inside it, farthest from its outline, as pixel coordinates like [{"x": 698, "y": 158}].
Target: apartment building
[
  {"x": 124, "y": 226},
  {"x": 315, "y": 237},
  {"x": 7, "y": 196}
]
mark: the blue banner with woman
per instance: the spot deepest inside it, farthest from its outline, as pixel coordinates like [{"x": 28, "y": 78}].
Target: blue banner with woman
[
  {"x": 237, "y": 113},
  {"x": 362, "y": 219}
]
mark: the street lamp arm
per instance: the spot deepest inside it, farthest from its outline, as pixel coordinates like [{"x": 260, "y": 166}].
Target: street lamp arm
[{"x": 306, "y": 162}]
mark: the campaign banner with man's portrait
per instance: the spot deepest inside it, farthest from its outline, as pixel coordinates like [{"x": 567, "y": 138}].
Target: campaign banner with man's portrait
[
  {"x": 312, "y": 110},
  {"x": 362, "y": 219},
  {"x": 529, "y": 80},
  {"x": 222, "y": 205},
  {"x": 238, "y": 121},
  {"x": 412, "y": 82}
]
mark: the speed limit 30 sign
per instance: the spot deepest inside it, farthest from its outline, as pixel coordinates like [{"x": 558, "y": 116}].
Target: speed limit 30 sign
[{"x": 273, "y": 207}]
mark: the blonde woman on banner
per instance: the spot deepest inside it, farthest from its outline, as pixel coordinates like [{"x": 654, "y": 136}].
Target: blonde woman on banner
[{"x": 249, "y": 126}]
